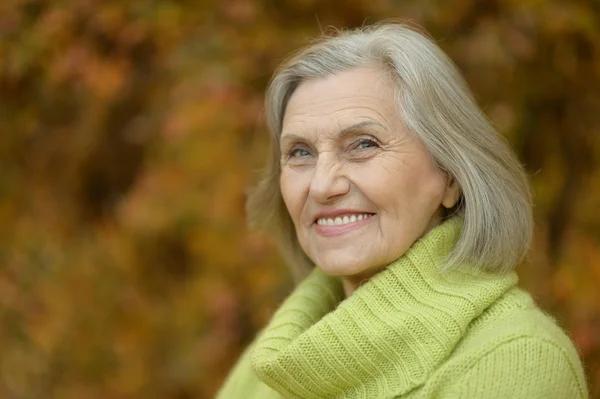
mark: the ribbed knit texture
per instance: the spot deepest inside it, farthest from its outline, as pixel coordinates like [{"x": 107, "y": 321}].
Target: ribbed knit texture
[{"x": 410, "y": 331}]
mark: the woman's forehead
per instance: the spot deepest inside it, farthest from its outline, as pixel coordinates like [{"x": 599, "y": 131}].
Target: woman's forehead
[
  {"x": 348, "y": 97},
  {"x": 359, "y": 82}
]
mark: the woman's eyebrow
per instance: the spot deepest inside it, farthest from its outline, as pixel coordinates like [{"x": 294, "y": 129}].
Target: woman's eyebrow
[
  {"x": 358, "y": 126},
  {"x": 290, "y": 137},
  {"x": 345, "y": 131}
]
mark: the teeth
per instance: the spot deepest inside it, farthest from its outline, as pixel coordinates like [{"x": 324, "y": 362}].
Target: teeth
[{"x": 340, "y": 220}]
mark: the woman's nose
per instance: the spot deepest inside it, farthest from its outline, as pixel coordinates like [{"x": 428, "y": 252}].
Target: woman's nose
[{"x": 329, "y": 181}]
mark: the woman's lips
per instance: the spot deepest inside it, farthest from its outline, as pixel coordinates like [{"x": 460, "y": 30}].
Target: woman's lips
[{"x": 328, "y": 230}]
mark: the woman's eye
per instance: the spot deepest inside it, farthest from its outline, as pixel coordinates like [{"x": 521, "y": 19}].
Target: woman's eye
[
  {"x": 366, "y": 143},
  {"x": 299, "y": 152}
]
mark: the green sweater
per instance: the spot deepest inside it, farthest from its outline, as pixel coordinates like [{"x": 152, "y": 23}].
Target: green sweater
[{"x": 410, "y": 332}]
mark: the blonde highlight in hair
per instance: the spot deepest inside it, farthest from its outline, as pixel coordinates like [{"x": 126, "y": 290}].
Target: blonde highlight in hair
[{"x": 437, "y": 106}]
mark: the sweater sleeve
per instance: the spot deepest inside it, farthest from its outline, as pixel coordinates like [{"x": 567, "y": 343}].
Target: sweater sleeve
[{"x": 521, "y": 368}]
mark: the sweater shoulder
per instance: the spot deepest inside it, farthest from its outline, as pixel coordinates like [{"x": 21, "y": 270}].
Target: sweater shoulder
[
  {"x": 515, "y": 315},
  {"x": 515, "y": 339}
]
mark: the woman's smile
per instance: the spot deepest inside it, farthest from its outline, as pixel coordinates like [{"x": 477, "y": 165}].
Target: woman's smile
[{"x": 339, "y": 223}]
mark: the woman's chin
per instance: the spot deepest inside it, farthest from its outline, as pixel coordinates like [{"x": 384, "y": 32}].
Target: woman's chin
[{"x": 345, "y": 269}]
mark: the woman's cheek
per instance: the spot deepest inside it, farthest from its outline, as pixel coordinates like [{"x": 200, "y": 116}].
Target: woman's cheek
[
  {"x": 284, "y": 184},
  {"x": 292, "y": 186}
]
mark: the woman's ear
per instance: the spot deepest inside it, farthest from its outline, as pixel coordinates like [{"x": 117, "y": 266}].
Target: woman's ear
[{"x": 451, "y": 194}]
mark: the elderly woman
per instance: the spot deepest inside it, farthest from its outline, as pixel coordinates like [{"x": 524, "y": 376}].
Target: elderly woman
[{"x": 403, "y": 213}]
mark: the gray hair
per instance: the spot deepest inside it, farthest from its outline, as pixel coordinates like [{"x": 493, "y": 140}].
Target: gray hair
[{"x": 438, "y": 108}]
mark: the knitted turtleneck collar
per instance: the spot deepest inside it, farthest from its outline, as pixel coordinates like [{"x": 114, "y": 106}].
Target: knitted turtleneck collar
[{"x": 387, "y": 337}]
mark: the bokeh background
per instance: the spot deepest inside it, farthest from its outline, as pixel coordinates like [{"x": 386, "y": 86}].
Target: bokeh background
[{"x": 130, "y": 130}]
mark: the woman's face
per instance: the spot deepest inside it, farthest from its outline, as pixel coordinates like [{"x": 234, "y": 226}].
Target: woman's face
[{"x": 359, "y": 187}]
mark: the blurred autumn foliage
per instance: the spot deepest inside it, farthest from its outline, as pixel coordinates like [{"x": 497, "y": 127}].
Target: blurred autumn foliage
[{"x": 130, "y": 130}]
